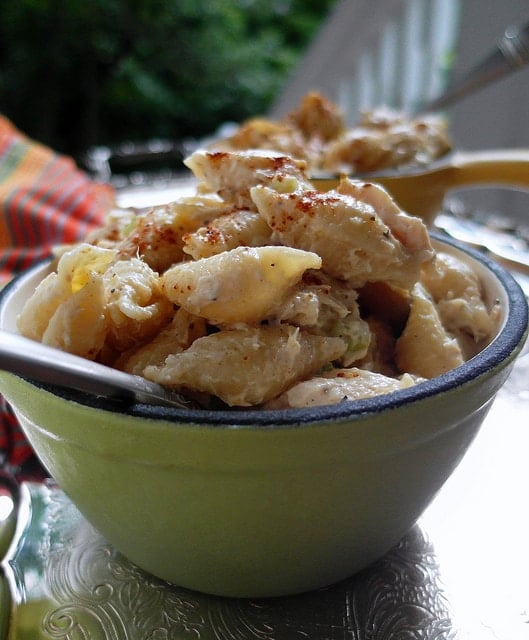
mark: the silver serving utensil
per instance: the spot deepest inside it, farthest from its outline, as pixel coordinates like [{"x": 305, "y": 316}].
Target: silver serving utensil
[
  {"x": 511, "y": 53},
  {"x": 31, "y": 359}
]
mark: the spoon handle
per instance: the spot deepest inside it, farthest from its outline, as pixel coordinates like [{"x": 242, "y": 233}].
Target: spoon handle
[
  {"x": 31, "y": 359},
  {"x": 510, "y": 53},
  {"x": 495, "y": 167}
]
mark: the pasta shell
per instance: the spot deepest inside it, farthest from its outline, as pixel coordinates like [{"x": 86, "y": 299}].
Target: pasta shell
[
  {"x": 248, "y": 366},
  {"x": 238, "y": 286},
  {"x": 425, "y": 348}
]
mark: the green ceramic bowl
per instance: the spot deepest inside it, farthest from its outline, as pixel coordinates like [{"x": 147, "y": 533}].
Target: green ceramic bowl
[{"x": 269, "y": 503}]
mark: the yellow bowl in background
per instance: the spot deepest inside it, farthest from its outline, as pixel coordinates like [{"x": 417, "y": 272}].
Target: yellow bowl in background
[{"x": 420, "y": 190}]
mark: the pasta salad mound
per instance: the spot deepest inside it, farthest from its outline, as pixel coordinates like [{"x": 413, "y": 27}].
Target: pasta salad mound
[
  {"x": 316, "y": 131},
  {"x": 260, "y": 291}
]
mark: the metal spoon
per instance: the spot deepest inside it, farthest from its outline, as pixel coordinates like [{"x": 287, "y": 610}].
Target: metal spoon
[
  {"x": 511, "y": 53},
  {"x": 420, "y": 189},
  {"x": 40, "y": 362}
]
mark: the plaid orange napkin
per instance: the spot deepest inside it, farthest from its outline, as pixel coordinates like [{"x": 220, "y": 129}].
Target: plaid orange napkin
[{"x": 45, "y": 200}]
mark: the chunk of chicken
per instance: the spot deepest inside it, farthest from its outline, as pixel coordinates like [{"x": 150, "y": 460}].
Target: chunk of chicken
[
  {"x": 326, "y": 306},
  {"x": 337, "y": 386},
  {"x": 409, "y": 230}
]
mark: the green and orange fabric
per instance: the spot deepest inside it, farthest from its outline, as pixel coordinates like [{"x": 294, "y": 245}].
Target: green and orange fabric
[{"x": 45, "y": 200}]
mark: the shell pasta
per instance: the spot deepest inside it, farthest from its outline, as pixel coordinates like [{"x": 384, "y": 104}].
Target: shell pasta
[{"x": 261, "y": 291}]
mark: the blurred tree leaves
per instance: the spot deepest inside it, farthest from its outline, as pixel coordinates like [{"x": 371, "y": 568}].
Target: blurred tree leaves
[{"x": 74, "y": 73}]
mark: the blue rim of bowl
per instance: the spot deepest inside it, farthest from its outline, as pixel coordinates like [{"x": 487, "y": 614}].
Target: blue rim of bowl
[{"x": 506, "y": 344}]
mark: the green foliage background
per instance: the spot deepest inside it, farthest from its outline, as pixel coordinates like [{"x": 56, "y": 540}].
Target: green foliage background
[{"x": 76, "y": 73}]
